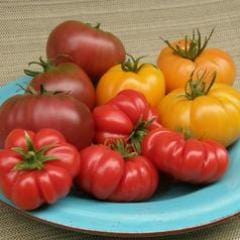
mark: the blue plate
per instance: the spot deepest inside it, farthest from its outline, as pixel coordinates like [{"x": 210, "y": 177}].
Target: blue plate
[{"x": 177, "y": 208}]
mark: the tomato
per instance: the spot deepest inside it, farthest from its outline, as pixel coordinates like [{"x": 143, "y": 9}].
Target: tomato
[
  {"x": 66, "y": 77},
  {"x": 181, "y": 58},
  {"x": 144, "y": 78},
  {"x": 108, "y": 175},
  {"x": 37, "y": 168},
  {"x": 89, "y": 47},
  {"x": 189, "y": 160},
  {"x": 34, "y": 111},
  {"x": 208, "y": 111},
  {"x": 127, "y": 116}
]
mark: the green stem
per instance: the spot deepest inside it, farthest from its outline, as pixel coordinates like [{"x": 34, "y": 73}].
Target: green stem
[
  {"x": 186, "y": 132},
  {"x": 123, "y": 148},
  {"x": 132, "y": 64},
  {"x": 46, "y": 67},
  {"x": 97, "y": 26},
  {"x": 32, "y": 159},
  {"x": 138, "y": 133},
  {"x": 193, "y": 46},
  {"x": 197, "y": 87}
]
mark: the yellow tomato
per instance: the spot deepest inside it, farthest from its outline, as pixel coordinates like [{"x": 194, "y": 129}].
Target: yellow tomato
[
  {"x": 145, "y": 78},
  {"x": 208, "y": 113}
]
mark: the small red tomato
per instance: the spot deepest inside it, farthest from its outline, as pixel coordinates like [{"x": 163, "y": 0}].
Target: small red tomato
[
  {"x": 127, "y": 116},
  {"x": 37, "y": 168},
  {"x": 189, "y": 160},
  {"x": 108, "y": 175},
  {"x": 89, "y": 47},
  {"x": 66, "y": 77}
]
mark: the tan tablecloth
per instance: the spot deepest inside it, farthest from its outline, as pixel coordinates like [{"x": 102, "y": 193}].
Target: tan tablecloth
[{"x": 25, "y": 25}]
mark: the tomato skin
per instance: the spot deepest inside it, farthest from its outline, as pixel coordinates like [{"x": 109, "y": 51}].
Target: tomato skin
[
  {"x": 92, "y": 49},
  {"x": 61, "y": 112},
  {"x": 193, "y": 161},
  {"x": 67, "y": 78},
  {"x": 177, "y": 70},
  {"x": 29, "y": 189},
  {"x": 149, "y": 80},
  {"x": 107, "y": 176},
  {"x": 118, "y": 117},
  {"x": 214, "y": 116}
]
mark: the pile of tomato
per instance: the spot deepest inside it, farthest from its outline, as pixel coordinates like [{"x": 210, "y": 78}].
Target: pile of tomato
[{"x": 103, "y": 121}]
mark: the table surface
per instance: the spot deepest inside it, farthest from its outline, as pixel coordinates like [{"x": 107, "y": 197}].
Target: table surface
[{"x": 25, "y": 25}]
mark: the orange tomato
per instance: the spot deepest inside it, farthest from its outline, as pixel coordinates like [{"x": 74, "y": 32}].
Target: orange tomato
[{"x": 181, "y": 58}]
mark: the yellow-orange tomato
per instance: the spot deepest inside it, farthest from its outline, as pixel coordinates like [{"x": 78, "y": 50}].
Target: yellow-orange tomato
[
  {"x": 145, "y": 78},
  {"x": 212, "y": 114},
  {"x": 180, "y": 59}
]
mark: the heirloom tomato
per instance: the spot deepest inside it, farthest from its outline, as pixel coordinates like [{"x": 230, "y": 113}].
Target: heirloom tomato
[
  {"x": 144, "y": 78},
  {"x": 35, "y": 110},
  {"x": 189, "y": 160},
  {"x": 89, "y": 47},
  {"x": 127, "y": 116},
  {"x": 179, "y": 59},
  {"x": 116, "y": 176},
  {"x": 209, "y": 111},
  {"x": 37, "y": 168},
  {"x": 66, "y": 77}
]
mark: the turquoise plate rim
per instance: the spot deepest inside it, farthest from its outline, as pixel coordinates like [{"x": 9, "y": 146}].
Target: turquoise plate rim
[{"x": 159, "y": 217}]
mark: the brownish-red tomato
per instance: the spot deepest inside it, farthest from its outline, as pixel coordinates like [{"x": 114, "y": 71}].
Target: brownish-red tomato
[
  {"x": 34, "y": 111},
  {"x": 66, "y": 77},
  {"x": 89, "y": 47}
]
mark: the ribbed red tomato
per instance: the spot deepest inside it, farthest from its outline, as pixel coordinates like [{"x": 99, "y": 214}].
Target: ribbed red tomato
[
  {"x": 108, "y": 175},
  {"x": 37, "y": 168},
  {"x": 188, "y": 160},
  {"x": 127, "y": 116}
]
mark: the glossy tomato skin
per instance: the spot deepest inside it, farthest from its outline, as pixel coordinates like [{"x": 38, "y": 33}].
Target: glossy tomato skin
[
  {"x": 67, "y": 78},
  {"x": 177, "y": 70},
  {"x": 92, "y": 49},
  {"x": 61, "y": 112},
  {"x": 148, "y": 80},
  {"x": 214, "y": 116},
  {"x": 29, "y": 189},
  {"x": 107, "y": 176},
  {"x": 193, "y": 161},
  {"x": 119, "y": 117}
]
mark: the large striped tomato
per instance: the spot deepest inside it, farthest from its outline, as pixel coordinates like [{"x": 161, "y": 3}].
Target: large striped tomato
[{"x": 37, "y": 110}]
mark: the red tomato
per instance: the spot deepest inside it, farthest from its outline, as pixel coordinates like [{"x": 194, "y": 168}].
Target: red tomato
[
  {"x": 59, "y": 111},
  {"x": 127, "y": 116},
  {"x": 67, "y": 78},
  {"x": 89, "y": 47},
  {"x": 37, "y": 168},
  {"x": 106, "y": 175},
  {"x": 188, "y": 160}
]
